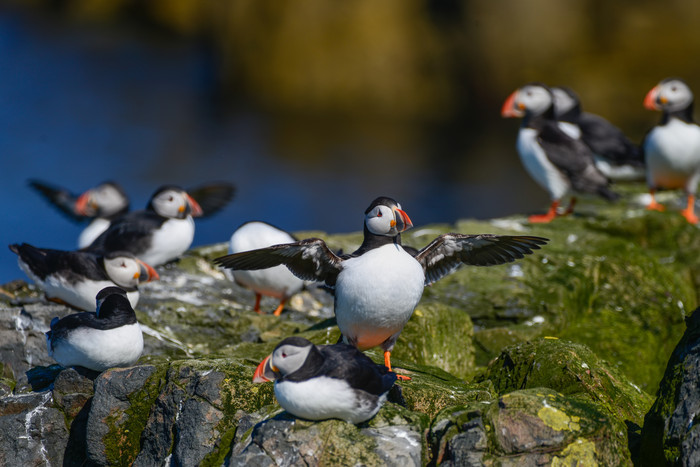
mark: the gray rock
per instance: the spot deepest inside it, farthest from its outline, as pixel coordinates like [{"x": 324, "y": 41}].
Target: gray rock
[{"x": 31, "y": 431}]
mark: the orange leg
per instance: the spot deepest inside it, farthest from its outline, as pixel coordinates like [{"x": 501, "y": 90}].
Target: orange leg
[
  {"x": 387, "y": 363},
  {"x": 653, "y": 205},
  {"x": 544, "y": 218},
  {"x": 570, "y": 209},
  {"x": 256, "y": 308},
  {"x": 689, "y": 211},
  {"x": 278, "y": 310}
]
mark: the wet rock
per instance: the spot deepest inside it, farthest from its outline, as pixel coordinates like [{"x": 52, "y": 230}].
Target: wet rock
[{"x": 671, "y": 434}]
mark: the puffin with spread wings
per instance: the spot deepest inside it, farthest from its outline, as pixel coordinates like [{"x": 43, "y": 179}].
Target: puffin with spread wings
[{"x": 378, "y": 286}]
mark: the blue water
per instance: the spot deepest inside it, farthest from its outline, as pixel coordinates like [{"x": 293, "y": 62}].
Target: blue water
[{"x": 78, "y": 108}]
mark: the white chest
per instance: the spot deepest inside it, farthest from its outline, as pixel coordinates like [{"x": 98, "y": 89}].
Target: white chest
[
  {"x": 672, "y": 154},
  {"x": 100, "y": 350},
  {"x": 170, "y": 241},
  {"x": 538, "y": 166},
  {"x": 376, "y": 294}
]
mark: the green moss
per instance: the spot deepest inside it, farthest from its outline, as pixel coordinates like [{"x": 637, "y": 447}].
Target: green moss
[{"x": 122, "y": 442}]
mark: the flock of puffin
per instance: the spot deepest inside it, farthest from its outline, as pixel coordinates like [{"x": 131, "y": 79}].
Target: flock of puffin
[{"x": 376, "y": 288}]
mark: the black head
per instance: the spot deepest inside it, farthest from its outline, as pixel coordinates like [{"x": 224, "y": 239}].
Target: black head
[
  {"x": 112, "y": 301},
  {"x": 384, "y": 217}
]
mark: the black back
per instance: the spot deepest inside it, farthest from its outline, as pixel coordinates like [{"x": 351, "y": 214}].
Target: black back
[
  {"x": 73, "y": 265},
  {"x": 131, "y": 232}
]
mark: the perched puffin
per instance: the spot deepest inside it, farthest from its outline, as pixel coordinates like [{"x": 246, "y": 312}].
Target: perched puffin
[
  {"x": 378, "y": 286},
  {"x": 555, "y": 160},
  {"x": 616, "y": 156},
  {"x": 278, "y": 281},
  {"x": 108, "y": 201},
  {"x": 325, "y": 381},
  {"x": 672, "y": 148},
  {"x": 159, "y": 234},
  {"x": 75, "y": 277},
  {"x": 109, "y": 337}
]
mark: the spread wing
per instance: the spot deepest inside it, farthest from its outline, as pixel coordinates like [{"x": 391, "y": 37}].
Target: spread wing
[
  {"x": 309, "y": 260},
  {"x": 449, "y": 251},
  {"x": 60, "y": 198},
  {"x": 212, "y": 197}
]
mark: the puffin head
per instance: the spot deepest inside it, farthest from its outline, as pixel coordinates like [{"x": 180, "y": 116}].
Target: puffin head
[
  {"x": 105, "y": 200},
  {"x": 670, "y": 95},
  {"x": 289, "y": 356},
  {"x": 110, "y": 301},
  {"x": 172, "y": 201},
  {"x": 384, "y": 216},
  {"x": 126, "y": 270},
  {"x": 533, "y": 99},
  {"x": 565, "y": 101}
]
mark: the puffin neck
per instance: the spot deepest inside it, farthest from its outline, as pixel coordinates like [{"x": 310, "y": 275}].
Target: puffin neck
[
  {"x": 371, "y": 241},
  {"x": 684, "y": 115},
  {"x": 537, "y": 121}
]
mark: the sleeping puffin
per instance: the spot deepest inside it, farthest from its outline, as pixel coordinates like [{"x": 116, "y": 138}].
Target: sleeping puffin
[
  {"x": 109, "y": 337},
  {"x": 377, "y": 287},
  {"x": 672, "y": 148},
  {"x": 615, "y": 155},
  {"x": 75, "y": 277},
  {"x": 325, "y": 381},
  {"x": 108, "y": 201},
  {"x": 555, "y": 160},
  {"x": 159, "y": 234},
  {"x": 278, "y": 281}
]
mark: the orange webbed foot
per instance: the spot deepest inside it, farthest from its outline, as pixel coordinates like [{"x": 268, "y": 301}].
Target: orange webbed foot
[
  {"x": 654, "y": 206},
  {"x": 690, "y": 216}
]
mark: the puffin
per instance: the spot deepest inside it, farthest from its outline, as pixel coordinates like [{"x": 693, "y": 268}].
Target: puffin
[
  {"x": 615, "y": 155},
  {"x": 318, "y": 382},
  {"x": 107, "y": 201},
  {"x": 159, "y": 234},
  {"x": 106, "y": 338},
  {"x": 672, "y": 148},
  {"x": 75, "y": 277},
  {"x": 277, "y": 282},
  {"x": 556, "y": 161},
  {"x": 377, "y": 287}
]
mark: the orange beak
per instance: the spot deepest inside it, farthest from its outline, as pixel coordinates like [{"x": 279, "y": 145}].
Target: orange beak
[
  {"x": 195, "y": 208},
  {"x": 402, "y": 221},
  {"x": 510, "y": 109},
  {"x": 81, "y": 205},
  {"x": 148, "y": 272},
  {"x": 650, "y": 99},
  {"x": 265, "y": 371}
]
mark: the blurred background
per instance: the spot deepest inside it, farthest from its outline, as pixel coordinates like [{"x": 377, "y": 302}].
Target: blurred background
[{"x": 312, "y": 108}]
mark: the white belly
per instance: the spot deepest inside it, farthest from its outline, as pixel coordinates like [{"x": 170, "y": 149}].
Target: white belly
[
  {"x": 672, "y": 155},
  {"x": 376, "y": 294},
  {"x": 323, "y": 398},
  {"x": 170, "y": 241},
  {"x": 100, "y": 350},
  {"x": 539, "y": 167},
  {"x": 92, "y": 231},
  {"x": 277, "y": 282}
]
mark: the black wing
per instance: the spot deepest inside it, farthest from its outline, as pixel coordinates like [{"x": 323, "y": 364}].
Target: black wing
[
  {"x": 212, "y": 197},
  {"x": 309, "y": 260},
  {"x": 60, "y": 198},
  {"x": 449, "y": 251},
  {"x": 130, "y": 232},
  {"x": 575, "y": 160},
  {"x": 75, "y": 265},
  {"x": 344, "y": 361},
  {"x": 608, "y": 141}
]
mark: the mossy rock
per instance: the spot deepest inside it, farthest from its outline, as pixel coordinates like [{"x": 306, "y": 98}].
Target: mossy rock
[{"x": 570, "y": 369}]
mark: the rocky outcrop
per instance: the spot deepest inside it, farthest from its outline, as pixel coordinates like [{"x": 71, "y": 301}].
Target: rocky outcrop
[
  {"x": 548, "y": 360},
  {"x": 671, "y": 434}
]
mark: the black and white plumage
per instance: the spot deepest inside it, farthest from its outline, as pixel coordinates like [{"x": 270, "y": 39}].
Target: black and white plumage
[
  {"x": 556, "y": 161},
  {"x": 159, "y": 234},
  {"x": 672, "y": 148},
  {"x": 108, "y": 201},
  {"x": 75, "y": 277},
  {"x": 616, "y": 156},
  {"x": 277, "y": 282},
  {"x": 109, "y": 337},
  {"x": 325, "y": 381},
  {"x": 378, "y": 286}
]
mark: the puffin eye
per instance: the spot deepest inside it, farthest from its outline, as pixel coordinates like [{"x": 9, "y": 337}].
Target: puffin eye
[
  {"x": 284, "y": 354},
  {"x": 379, "y": 214},
  {"x": 123, "y": 264},
  {"x": 673, "y": 88}
]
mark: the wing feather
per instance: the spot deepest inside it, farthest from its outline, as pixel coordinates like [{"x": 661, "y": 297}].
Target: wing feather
[
  {"x": 450, "y": 251},
  {"x": 309, "y": 260}
]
